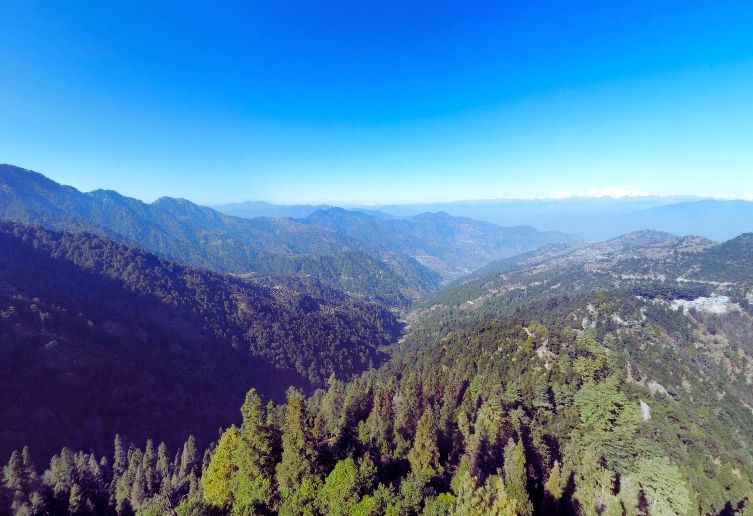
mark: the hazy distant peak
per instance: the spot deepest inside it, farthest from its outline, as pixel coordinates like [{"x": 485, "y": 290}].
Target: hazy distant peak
[
  {"x": 13, "y": 172},
  {"x": 105, "y": 194},
  {"x": 644, "y": 237},
  {"x": 334, "y": 210},
  {"x": 695, "y": 240},
  {"x": 611, "y": 192},
  {"x": 174, "y": 201},
  {"x": 744, "y": 241}
]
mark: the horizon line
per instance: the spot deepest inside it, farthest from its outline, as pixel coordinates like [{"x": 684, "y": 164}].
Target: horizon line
[{"x": 614, "y": 193}]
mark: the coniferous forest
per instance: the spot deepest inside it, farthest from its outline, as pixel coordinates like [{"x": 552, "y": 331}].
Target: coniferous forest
[
  {"x": 355, "y": 258},
  {"x": 481, "y": 422},
  {"x": 604, "y": 378}
]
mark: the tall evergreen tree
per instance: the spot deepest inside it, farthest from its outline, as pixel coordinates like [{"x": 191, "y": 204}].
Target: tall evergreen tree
[
  {"x": 255, "y": 457},
  {"x": 16, "y": 484},
  {"x": 162, "y": 468},
  {"x": 119, "y": 458},
  {"x": 298, "y": 447},
  {"x": 341, "y": 490},
  {"x": 553, "y": 490},
  {"x": 424, "y": 455},
  {"x": 516, "y": 477},
  {"x": 594, "y": 483},
  {"x": 664, "y": 487},
  {"x": 189, "y": 458},
  {"x": 217, "y": 481},
  {"x": 148, "y": 465}
]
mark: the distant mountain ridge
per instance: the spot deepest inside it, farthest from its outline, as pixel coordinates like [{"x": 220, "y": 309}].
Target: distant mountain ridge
[
  {"x": 98, "y": 337},
  {"x": 711, "y": 218},
  {"x": 452, "y": 246},
  {"x": 183, "y": 231},
  {"x": 254, "y": 209},
  {"x": 390, "y": 260},
  {"x": 593, "y": 218}
]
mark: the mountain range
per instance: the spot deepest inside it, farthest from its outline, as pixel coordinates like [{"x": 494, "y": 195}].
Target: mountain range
[
  {"x": 106, "y": 337},
  {"x": 451, "y": 246},
  {"x": 436, "y": 364},
  {"x": 339, "y": 250},
  {"x": 593, "y": 218},
  {"x": 675, "y": 312}
]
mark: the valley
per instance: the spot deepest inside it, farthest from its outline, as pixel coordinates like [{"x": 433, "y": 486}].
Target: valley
[
  {"x": 422, "y": 365},
  {"x": 319, "y": 258}
]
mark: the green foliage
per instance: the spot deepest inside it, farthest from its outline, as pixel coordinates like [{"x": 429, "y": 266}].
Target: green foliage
[
  {"x": 255, "y": 457},
  {"x": 20, "y": 484},
  {"x": 345, "y": 486},
  {"x": 516, "y": 478},
  {"x": 532, "y": 411},
  {"x": 594, "y": 485},
  {"x": 441, "y": 505},
  {"x": 217, "y": 480},
  {"x": 583, "y": 451},
  {"x": 302, "y": 498},
  {"x": 272, "y": 250},
  {"x": 298, "y": 462},
  {"x": 106, "y": 337},
  {"x": 663, "y": 486},
  {"x": 424, "y": 455}
]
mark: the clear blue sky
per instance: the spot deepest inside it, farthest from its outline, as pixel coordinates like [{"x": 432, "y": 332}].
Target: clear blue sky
[{"x": 359, "y": 101}]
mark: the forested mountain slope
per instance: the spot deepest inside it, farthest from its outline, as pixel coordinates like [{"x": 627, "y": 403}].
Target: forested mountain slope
[
  {"x": 677, "y": 313},
  {"x": 500, "y": 418},
  {"x": 451, "y": 246},
  {"x": 593, "y": 380},
  {"x": 275, "y": 249},
  {"x": 97, "y": 337}
]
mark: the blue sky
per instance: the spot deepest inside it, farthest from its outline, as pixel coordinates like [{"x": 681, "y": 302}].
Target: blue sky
[{"x": 368, "y": 102}]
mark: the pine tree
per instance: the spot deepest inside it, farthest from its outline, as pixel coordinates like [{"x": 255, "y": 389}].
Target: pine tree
[
  {"x": 138, "y": 487},
  {"x": 155, "y": 506},
  {"x": 340, "y": 492},
  {"x": 302, "y": 499},
  {"x": 60, "y": 477},
  {"x": 516, "y": 477},
  {"x": 124, "y": 488},
  {"x": 76, "y": 502},
  {"x": 217, "y": 481},
  {"x": 424, "y": 455},
  {"x": 377, "y": 430},
  {"x": 186, "y": 470},
  {"x": 407, "y": 413},
  {"x": 553, "y": 490},
  {"x": 630, "y": 494},
  {"x": 163, "y": 469},
  {"x": 503, "y": 504},
  {"x": 119, "y": 458},
  {"x": 29, "y": 471},
  {"x": 255, "y": 457},
  {"x": 441, "y": 505},
  {"x": 330, "y": 416},
  {"x": 189, "y": 458},
  {"x": 16, "y": 485},
  {"x": 94, "y": 483},
  {"x": 470, "y": 499},
  {"x": 664, "y": 487},
  {"x": 148, "y": 465},
  {"x": 594, "y": 483},
  {"x": 298, "y": 447}
]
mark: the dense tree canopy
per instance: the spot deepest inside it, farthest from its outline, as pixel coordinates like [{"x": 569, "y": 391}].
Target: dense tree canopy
[
  {"x": 491, "y": 438},
  {"x": 103, "y": 338}
]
